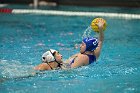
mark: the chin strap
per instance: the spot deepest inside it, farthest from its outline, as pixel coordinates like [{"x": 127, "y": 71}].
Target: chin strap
[
  {"x": 49, "y": 66},
  {"x": 83, "y": 52},
  {"x": 59, "y": 65}
]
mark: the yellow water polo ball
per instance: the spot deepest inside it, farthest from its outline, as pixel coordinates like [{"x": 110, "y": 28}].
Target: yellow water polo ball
[{"x": 94, "y": 25}]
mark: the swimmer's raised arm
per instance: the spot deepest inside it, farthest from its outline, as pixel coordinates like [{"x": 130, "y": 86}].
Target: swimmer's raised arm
[{"x": 100, "y": 38}]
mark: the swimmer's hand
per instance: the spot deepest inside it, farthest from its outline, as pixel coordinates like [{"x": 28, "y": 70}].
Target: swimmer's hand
[
  {"x": 65, "y": 66},
  {"x": 101, "y": 24}
]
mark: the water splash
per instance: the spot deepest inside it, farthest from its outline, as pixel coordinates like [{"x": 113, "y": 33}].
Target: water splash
[
  {"x": 87, "y": 32},
  {"x": 14, "y": 69}
]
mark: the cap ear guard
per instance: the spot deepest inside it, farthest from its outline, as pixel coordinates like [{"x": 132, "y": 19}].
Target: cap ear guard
[
  {"x": 43, "y": 59},
  {"x": 48, "y": 57}
]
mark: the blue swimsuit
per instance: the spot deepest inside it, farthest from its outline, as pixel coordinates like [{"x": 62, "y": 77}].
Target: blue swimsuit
[{"x": 92, "y": 59}]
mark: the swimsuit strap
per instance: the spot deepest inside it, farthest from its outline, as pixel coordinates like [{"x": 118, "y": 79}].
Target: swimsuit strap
[
  {"x": 73, "y": 60},
  {"x": 92, "y": 58}
]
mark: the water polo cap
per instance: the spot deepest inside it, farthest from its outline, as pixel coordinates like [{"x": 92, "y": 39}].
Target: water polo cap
[
  {"x": 48, "y": 56},
  {"x": 91, "y": 43}
]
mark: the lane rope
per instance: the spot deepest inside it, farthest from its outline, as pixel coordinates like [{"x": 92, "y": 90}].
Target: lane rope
[{"x": 70, "y": 13}]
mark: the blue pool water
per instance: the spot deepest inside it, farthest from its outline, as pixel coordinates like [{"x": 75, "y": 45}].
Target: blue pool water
[{"x": 24, "y": 37}]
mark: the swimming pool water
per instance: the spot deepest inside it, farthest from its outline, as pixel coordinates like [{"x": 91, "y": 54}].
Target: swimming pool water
[{"x": 24, "y": 37}]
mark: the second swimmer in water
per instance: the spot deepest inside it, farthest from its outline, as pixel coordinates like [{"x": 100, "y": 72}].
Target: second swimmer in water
[{"x": 51, "y": 60}]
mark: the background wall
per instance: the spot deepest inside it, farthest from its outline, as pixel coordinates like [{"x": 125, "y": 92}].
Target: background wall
[{"x": 121, "y": 3}]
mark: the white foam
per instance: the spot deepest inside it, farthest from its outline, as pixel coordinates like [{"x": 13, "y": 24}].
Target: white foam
[
  {"x": 87, "y": 32},
  {"x": 14, "y": 69},
  {"x": 71, "y": 13}
]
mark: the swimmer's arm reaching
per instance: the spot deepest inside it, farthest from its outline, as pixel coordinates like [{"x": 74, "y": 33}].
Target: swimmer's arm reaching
[
  {"x": 100, "y": 38},
  {"x": 72, "y": 57}
]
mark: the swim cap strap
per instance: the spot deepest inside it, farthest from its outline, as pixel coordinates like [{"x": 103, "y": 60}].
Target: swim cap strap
[
  {"x": 52, "y": 54},
  {"x": 55, "y": 59},
  {"x": 83, "y": 52},
  {"x": 49, "y": 65}
]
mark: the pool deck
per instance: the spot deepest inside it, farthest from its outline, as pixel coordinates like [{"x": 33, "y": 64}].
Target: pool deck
[{"x": 92, "y": 3}]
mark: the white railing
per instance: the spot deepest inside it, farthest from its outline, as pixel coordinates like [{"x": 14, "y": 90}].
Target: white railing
[{"x": 71, "y": 13}]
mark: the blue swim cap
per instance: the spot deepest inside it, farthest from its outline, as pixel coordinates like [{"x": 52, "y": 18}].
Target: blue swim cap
[{"x": 91, "y": 43}]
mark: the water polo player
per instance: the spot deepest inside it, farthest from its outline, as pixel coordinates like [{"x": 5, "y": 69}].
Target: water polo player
[
  {"x": 89, "y": 49},
  {"x": 51, "y": 59}
]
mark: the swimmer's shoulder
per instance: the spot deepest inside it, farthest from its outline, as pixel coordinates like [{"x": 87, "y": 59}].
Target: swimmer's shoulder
[
  {"x": 42, "y": 66},
  {"x": 75, "y": 55},
  {"x": 82, "y": 59}
]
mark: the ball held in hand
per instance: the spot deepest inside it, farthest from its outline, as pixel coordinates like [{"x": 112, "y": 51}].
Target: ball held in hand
[{"x": 94, "y": 25}]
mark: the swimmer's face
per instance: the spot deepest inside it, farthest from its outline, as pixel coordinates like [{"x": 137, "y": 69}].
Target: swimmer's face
[
  {"x": 82, "y": 47},
  {"x": 58, "y": 57}
]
